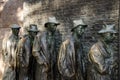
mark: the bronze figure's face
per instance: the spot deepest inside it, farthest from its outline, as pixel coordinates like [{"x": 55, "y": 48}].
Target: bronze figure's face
[
  {"x": 80, "y": 30},
  {"x": 33, "y": 30},
  {"x": 51, "y": 27},
  {"x": 108, "y": 37},
  {"x": 108, "y": 32},
  {"x": 15, "y": 31},
  {"x": 32, "y": 33}
]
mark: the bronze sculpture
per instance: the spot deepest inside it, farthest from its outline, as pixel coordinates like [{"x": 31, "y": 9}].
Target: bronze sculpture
[
  {"x": 70, "y": 55},
  {"x": 9, "y": 53},
  {"x": 25, "y": 59},
  {"x": 43, "y": 51},
  {"x": 101, "y": 56}
]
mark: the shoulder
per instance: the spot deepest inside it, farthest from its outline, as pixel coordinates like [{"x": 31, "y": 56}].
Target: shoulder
[
  {"x": 67, "y": 42},
  {"x": 40, "y": 34},
  {"x": 24, "y": 38},
  {"x": 5, "y": 40},
  {"x": 94, "y": 49},
  {"x": 95, "y": 46}
]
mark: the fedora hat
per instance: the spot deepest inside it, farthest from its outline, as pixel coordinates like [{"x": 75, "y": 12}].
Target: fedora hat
[
  {"x": 77, "y": 23},
  {"x": 15, "y": 26},
  {"x": 33, "y": 28},
  {"x": 108, "y": 28},
  {"x": 51, "y": 20}
]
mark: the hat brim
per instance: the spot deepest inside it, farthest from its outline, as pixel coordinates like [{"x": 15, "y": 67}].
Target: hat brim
[
  {"x": 107, "y": 31},
  {"x": 15, "y": 27},
  {"x": 33, "y": 31},
  {"x": 50, "y": 23},
  {"x": 77, "y": 26}
]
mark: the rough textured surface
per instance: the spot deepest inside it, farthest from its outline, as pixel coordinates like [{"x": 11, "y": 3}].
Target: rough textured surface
[
  {"x": 10, "y": 13},
  {"x": 94, "y": 13}
]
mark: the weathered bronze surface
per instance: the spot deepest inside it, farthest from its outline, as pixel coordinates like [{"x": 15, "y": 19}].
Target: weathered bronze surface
[
  {"x": 44, "y": 52},
  {"x": 9, "y": 53},
  {"x": 34, "y": 56},
  {"x": 102, "y": 56},
  {"x": 26, "y": 62},
  {"x": 71, "y": 60}
]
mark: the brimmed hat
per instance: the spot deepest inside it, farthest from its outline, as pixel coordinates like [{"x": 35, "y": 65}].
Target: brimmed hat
[
  {"x": 77, "y": 23},
  {"x": 108, "y": 28},
  {"x": 51, "y": 20},
  {"x": 15, "y": 26},
  {"x": 33, "y": 28}
]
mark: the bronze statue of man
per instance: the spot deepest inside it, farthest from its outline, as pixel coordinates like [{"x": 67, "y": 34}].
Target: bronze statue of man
[
  {"x": 43, "y": 51},
  {"x": 9, "y": 53},
  {"x": 70, "y": 59},
  {"x": 25, "y": 59},
  {"x": 102, "y": 56}
]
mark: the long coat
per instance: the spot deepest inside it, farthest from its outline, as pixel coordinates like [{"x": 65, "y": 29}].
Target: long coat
[
  {"x": 42, "y": 56},
  {"x": 68, "y": 61},
  {"x": 9, "y": 56},
  {"x": 24, "y": 51},
  {"x": 102, "y": 62}
]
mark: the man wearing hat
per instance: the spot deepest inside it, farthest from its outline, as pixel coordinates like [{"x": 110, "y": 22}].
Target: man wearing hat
[
  {"x": 25, "y": 59},
  {"x": 44, "y": 52},
  {"x": 102, "y": 56},
  {"x": 70, "y": 55},
  {"x": 9, "y": 48}
]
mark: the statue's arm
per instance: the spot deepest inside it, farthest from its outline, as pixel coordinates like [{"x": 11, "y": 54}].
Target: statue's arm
[
  {"x": 36, "y": 47},
  {"x": 61, "y": 59},
  {"x": 28, "y": 53},
  {"x": 97, "y": 60},
  {"x": 66, "y": 60},
  {"x": 4, "y": 48},
  {"x": 20, "y": 52},
  {"x": 38, "y": 51}
]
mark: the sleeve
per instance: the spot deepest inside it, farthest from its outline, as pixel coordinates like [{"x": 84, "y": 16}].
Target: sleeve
[
  {"x": 66, "y": 61},
  {"x": 97, "y": 59},
  {"x": 36, "y": 44},
  {"x": 21, "y": 53},
  {"x": 38, "y": 51},
  {"x": 28, "y": 53},
  {"x": 61, "y": 59},
  {"x": 4, "y": 44},
  {"x": 4, "y": 47}
]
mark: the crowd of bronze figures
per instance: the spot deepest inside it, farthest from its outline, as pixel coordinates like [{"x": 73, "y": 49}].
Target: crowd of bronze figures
[{"x": 32, "y": 56}]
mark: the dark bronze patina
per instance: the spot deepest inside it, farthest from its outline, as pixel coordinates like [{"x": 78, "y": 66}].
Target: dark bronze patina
[
  {"x": 26, "y": 62},
  {"x": 102, "y": 56},
  {"x": 9, "y": 53},
  {"x": 43, "y": 51},
  {"x": 71, "y": 59}
]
